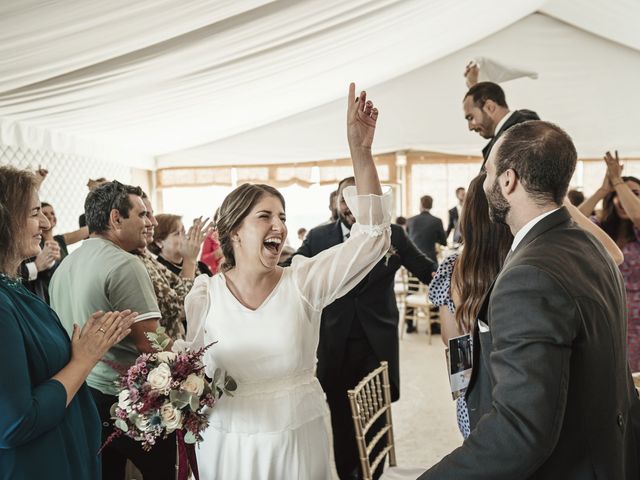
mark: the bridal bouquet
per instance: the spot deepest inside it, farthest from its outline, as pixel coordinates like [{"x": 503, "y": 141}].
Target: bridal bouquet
[{"x": 166, "y": 392}]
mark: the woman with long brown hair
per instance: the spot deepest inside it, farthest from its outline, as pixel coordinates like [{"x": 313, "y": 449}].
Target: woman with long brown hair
[
  {"x": 266, "y": 322},
  {"x": 620, "y": 219},
  {"x": 49, "y": 425},
  {"x": 462, "y": 279}
]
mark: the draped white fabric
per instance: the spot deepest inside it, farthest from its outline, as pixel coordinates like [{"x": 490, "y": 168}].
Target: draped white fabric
[{"x": 134, "y": 80}]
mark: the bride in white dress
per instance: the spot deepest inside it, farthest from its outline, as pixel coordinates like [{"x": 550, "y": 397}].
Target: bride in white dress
[{"x": 266, "y": 321}]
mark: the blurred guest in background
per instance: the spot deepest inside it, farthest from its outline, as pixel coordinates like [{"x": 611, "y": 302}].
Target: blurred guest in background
[
  {"x": 576, "y": 197},
  {"x": 211, "y": 254},
  {"x": 171, "y": 243},
  {"x": 454, "y": 216},
  {"x": 170, "y": 288},
  {"x": 620, "y": 219}
]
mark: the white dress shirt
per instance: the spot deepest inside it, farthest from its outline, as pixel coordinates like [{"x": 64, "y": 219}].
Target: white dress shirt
[
  {"x": 502, "y": 122},
  {"x": 524, "y": 230}
]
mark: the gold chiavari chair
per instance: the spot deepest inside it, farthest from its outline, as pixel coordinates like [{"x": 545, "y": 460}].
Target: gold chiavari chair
[{"x": 370, "y": 401}]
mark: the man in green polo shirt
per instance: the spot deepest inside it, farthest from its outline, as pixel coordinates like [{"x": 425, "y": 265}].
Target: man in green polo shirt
[{"x": 103, "y": 275}]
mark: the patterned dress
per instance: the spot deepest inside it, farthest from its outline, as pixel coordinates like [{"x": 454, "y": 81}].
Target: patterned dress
[
  {"x": 171, "y": 291},
  {"x": 630, "y": 269},
  {"x": 440, "y": 295}
]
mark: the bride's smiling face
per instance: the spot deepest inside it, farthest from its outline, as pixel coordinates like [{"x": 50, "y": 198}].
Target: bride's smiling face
[{"x": 262, "y": 233}]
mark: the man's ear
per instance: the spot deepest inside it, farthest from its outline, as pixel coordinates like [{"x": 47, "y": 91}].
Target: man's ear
[
  {"x": 489, "y": 107},
  {"x": 508, "y": 181},
  {"x": 115, "y": 219}
]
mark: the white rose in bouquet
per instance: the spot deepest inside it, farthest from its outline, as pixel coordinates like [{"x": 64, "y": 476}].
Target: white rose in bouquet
[
  {"x": 193, "y": 384},
  {"x": 166, "y": 357},
  {"x": 171, "y": 417},
  {"x": 160, "y": 377},
  {"x": 124, "y": 402}
]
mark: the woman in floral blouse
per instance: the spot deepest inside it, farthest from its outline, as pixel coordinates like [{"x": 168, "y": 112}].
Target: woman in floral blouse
[{"x": 171, "y": 289}]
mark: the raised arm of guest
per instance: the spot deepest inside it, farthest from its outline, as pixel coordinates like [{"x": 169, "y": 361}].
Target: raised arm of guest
[
  {"x": 625, "y": 188},
  {"x": 589, "y": 205},
  {"x": 607, "y": 242}
]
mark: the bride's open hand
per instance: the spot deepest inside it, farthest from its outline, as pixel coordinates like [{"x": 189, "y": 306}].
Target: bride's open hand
[{"x": 361, "y": 119}]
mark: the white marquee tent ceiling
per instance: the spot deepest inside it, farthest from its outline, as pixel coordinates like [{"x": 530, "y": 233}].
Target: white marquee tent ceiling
[{"x": 249, "y": 81}]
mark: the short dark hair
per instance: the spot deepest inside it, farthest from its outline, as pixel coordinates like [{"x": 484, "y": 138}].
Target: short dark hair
[
  {"x": 543, "y": 157},
  {"x": 401, "y": 221},
  {"x": 483, "y": 91},
  {"x": 575, "y": 197},
  {"x": 459, "y": 189},
  {"x": 106, "y": 197},
  {"x": 426, "y": 202}
]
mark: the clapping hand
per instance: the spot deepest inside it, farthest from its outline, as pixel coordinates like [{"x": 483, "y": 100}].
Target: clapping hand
[
  {"x": 361, "y": 119},
  {"x": 49, "y": 254},
  {"x": 614, "y": 169},
  {"x": 99, "y": 334},
  {"x": 194, "y": 238}
]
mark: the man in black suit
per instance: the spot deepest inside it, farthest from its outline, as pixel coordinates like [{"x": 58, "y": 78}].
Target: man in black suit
[
  {"x": 359, "y": 330},
  {"x": 454, "y": 216},
  {"x": 425, "y": 230},
  {"x": 551, "y": 395},
  {"x": 486, "y": 111}
]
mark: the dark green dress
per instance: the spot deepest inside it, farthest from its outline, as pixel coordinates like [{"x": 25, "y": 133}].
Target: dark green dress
[{"x": 39, "y": 436}]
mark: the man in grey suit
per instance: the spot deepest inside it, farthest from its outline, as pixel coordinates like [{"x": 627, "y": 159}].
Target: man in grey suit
[{"x": 551, "y": 395}]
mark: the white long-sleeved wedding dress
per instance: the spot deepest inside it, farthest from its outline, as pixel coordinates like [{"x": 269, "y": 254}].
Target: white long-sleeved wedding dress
[{"x": 276, "y": 425}]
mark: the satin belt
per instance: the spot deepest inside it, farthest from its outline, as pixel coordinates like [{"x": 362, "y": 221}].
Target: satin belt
[{"x": 274, "y": 385}]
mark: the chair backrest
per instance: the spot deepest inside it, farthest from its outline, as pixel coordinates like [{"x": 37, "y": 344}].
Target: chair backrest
[
  {"x": 370, "y": 401},
  {"x": 416, "y": 286}
]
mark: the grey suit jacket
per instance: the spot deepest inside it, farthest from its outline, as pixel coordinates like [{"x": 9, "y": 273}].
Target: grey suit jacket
[{"x": 551, "y": 395}]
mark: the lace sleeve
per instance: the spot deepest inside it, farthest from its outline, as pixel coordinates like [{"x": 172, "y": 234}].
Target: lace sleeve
[
  {"x": 196, "y": 306},
  {"x": 332, "y": 273},
  {"x": 440, "y": 287}
]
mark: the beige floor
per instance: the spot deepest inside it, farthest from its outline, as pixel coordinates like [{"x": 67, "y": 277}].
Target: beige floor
[{"x": 424, "y": 418}]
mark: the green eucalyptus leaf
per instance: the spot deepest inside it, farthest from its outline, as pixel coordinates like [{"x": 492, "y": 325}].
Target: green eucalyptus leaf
[
  {"x": 216, "y": 376},
  {"x": 230, "y": 384},
  {"x": 122, "y": 425},
  {"x": 194, "y": 403},
  {"x": 190, "y": 438},
  {"x": 179, "y": 399},
  {"x": 112, "y": 410}
]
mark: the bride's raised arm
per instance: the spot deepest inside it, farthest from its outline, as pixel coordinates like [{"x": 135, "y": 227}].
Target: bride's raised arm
[{"x": 333, "y": 272}]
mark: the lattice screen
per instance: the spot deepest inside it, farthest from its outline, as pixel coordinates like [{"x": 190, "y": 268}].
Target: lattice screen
[{"x": 66, "y": 185}]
